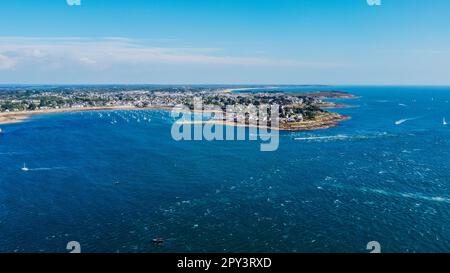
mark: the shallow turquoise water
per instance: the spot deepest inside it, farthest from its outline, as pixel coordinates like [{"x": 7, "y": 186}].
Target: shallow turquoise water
[{"x": 331, "y": 190}]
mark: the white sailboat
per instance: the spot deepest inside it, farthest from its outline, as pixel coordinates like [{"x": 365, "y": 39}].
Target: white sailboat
[
  {"x": 444, "y": 122},
  {"x": 25, "y": 169}
]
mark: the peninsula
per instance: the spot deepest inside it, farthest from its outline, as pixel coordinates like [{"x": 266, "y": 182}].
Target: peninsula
[{"x": 298, "y": 111}]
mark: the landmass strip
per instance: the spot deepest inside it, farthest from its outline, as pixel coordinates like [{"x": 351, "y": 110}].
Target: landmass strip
[{"x": 298, "y": 110}]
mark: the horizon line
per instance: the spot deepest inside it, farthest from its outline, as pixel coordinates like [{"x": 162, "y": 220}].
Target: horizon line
[{"x": 220, "y": 84}]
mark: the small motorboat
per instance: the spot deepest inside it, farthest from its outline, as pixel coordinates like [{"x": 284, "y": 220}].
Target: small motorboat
[{"x": 158, "y": 241}]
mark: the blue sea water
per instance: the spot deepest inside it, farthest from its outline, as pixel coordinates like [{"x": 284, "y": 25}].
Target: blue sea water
[{"x": 115, "y": 186}]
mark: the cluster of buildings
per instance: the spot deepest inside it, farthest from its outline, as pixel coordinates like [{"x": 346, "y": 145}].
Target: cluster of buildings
[{"x": 292, "y": 108}]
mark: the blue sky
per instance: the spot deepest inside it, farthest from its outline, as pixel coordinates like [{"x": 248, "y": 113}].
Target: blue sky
[{"x": 225, "y": 41}]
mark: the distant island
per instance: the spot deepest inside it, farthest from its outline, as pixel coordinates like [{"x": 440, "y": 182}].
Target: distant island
[{"x": 298, "y": 110}]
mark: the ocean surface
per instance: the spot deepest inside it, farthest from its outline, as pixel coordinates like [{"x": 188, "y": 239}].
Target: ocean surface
[{"x": 114, "y": 181}]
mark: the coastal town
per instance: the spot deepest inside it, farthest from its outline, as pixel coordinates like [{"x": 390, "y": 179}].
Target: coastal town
[{"x": 297, "y": 111}]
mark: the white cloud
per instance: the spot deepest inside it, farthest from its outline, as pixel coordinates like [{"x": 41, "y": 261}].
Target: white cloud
[
  {"x": 7, "y": 62},
  {"x": 109, "y": 52},
  {"x": 87, "y": 61}
]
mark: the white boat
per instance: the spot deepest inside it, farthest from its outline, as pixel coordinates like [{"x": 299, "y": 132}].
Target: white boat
[
  {"x": 444, "y": 122},
  {"x": 398, "y": 122},
  {"x": 25, "y": 169},
  {"x": 1, "y": 131}
]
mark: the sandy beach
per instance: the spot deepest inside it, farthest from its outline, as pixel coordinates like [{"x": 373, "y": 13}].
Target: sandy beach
[{"x": 16, "y": 117}]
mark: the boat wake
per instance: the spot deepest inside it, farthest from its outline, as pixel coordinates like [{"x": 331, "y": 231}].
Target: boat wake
[
  {"x": 10, "y": 153},
  {"x": 339, "y": 137},
  {"x": 42, "y": 169},
  {"x": 395, "y": 194},
  {"x": 418, "y": 196},
  {"x": 343, "y": 137},
  {"x": 401, "y": 121}
]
